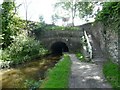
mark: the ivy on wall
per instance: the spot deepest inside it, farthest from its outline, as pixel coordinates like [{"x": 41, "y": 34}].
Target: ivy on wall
[{"x": 110, "y": 15}]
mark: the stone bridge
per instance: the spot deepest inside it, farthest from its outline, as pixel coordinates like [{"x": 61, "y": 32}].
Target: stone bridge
[
  {"x": 104, "y": 42},
  {"x": 61, "y": 40}
]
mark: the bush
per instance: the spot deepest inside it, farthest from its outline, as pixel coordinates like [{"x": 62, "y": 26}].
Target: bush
[
  {"x": 22, "y": 49},
  {"x": 80, "y": 57},
  {"x": 32, "y": 84}
]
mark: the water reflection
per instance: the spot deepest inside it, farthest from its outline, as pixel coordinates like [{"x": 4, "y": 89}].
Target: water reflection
[{"x": 15, "y": 77}]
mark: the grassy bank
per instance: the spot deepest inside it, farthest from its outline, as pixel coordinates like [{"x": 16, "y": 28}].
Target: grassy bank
[
  {"x": 58, "y": 77},
  {"x": 112, "y": 74}
]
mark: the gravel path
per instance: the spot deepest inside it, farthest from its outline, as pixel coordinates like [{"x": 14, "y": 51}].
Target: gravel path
[{"x": 86, "y": 75}]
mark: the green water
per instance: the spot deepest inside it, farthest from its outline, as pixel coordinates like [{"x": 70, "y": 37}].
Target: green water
[{"x": 34, "y": 70}]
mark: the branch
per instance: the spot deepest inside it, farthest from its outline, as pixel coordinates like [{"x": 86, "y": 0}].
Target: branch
[{"x": 15, "y": 10}]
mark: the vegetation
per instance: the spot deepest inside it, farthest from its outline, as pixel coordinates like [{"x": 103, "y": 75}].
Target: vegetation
[
  {"x": 46, "y": 27},
  {"x": 109, "y": 15},
  {"x": 62, "y": 28},
  {"x": 74, "y": 8},
  {"x": 112, "y": 74},
  {"x": 10, "y": 23},
  {"x": 80, "y": 57},
  {"x": 53, "y": 27},
  {"x": 24, "y": 48},
  {"x": 58, "y": 77},
  {"x": 32, "y": 84},
  {"x": 17, "y": 46}
]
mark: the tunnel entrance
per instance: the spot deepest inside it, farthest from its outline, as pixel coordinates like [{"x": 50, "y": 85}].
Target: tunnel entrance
[{"x": 59, "y": 48}]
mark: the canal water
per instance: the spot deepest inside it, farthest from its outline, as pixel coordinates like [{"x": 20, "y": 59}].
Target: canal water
[{"x": 35, "y": 70}]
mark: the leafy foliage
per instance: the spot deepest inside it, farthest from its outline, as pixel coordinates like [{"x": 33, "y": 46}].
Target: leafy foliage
[
  {"x": 80, "y": 57},
  {"x": 110, "y": 15},
  {"x": 42, "y": 19},
  {"x": 10, "y": 23},
  {"x": 54, "y": 18},
  {"x": 24, "y": 48},
  {"x": 32, "y": 84},
  {"x": 30, "y": 25},
  {"x": 75, "y": 8}
]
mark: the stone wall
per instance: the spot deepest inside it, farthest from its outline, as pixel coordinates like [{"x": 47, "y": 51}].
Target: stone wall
[
  {"x": 112, "y": 43},
  {"x": 71, "y": 38},
  {"x": 106, "y": 38}
]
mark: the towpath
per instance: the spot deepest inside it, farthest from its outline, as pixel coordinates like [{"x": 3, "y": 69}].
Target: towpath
[{"x": 86, "y": 75}]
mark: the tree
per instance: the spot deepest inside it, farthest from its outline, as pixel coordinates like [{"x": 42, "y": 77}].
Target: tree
[
  {"x": 109, "y": 15},
  {"x": 42, "y": 19},
  {"x": 26, "y": 5},
  {"x": 65, "y": 20},
  {"x": 10, "y": 22},
  {"x": 75, "y": 8},
  {"x": 54, "y": 17},
  {"x": 7, "y": 16}
]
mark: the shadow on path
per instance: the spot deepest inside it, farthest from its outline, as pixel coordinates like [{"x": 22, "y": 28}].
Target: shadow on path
[{"x": 86, "y": 75}]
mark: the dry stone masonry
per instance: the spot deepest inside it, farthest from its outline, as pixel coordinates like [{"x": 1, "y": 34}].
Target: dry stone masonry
[{"x": 105, "y": 40}]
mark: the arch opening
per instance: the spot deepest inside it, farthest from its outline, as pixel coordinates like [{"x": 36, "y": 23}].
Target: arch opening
[{"x": 58, "y": 48}]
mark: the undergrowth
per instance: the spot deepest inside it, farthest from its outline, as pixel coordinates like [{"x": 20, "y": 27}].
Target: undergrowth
[
  {"x": 80, "y": 57},
  {"x": 23, "y": 48}
]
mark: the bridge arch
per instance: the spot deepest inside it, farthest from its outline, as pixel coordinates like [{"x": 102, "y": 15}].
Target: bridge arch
[
  {"x": 59, "y": 47},
  {"x": 72, "y": 39}
]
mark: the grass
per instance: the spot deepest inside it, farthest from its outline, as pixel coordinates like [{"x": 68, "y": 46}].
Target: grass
[
  {"x": 80, "y": 57},
  {"x": 58, "y": 77},
  {"x": 112, "y": 74}
]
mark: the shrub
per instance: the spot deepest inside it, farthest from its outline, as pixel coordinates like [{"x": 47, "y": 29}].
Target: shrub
[
  {"x": 80, "y": 57},
  {"x": 22, "y": 49},
  {"x": 32, "y": 84}
]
